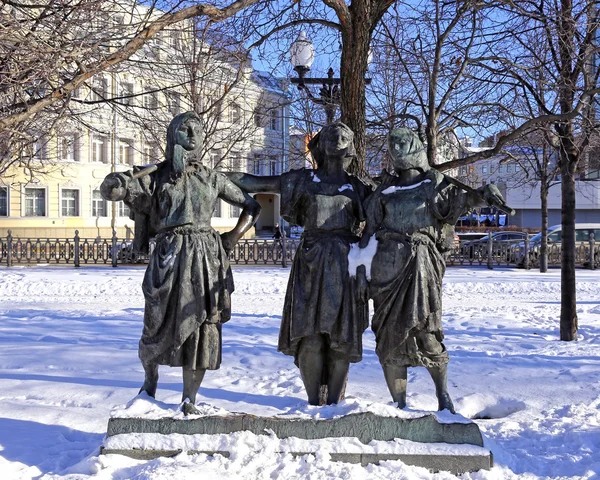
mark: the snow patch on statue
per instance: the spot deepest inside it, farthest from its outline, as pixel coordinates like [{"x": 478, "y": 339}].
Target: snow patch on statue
[
  {"x": 396, "y": 188},
  {"x": 362, "y": 256}
]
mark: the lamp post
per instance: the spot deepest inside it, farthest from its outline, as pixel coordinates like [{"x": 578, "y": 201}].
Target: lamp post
[{"x": 302, "y": 55}]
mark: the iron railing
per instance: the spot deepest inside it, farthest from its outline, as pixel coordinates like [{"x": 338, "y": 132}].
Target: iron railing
[{"x": 114, "y": 251}]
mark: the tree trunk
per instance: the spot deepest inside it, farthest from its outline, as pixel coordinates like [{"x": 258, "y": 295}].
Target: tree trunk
[
  {"x": 544, "y": 243},
  {"x": 569, "y": 155},
  {"x": 568, "y": 300},
  {"x": 431, "y": 134},
  {"x": 353, "y": 68}
]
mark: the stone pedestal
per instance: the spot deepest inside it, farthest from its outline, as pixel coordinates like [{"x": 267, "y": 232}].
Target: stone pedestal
[{"x": 423, "y": 441}]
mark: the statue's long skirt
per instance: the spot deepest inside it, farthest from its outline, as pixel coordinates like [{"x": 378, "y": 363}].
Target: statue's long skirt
[
  {"x": 406, "y": 288},
  {"x": 321, "y": 297},
  {"x": 187, "y": 288}
]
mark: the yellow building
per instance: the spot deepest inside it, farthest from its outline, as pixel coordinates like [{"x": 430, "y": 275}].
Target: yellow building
[{"x": 246, "y": 125}]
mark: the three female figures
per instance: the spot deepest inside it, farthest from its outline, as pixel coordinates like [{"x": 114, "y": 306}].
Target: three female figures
[{"x": 188, "y": 282}]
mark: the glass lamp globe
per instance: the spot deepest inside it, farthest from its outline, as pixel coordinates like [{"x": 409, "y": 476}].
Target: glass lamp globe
[{"x": 302, "y": 52}]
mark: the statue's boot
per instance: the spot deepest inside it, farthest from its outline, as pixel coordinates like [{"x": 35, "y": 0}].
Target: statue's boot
[
  {"x": 337, "y": 366},
  {"x": 192, "y": 379},
  {"x": 150, "y": 379},
  {"x": 396, "y": 379},
  {"x": 439, "y": 376},
  {"x": 310, "y": 361}
]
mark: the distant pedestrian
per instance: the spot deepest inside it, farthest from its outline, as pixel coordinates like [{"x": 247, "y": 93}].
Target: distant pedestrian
[{"x": 277, "y": 234}]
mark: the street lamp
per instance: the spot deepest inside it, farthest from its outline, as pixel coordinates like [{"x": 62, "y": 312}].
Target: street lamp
[{"x": 302, "y": 55}]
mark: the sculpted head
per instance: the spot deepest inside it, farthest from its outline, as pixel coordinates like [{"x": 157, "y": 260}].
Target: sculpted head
[
  {"x": 185, "y": 130},
  {"x": 335, "y": 140},
  {"x": 407, "y": 150}
]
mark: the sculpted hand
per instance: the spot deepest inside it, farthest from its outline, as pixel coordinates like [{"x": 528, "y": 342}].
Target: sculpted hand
[
  {"x": 114, "y": 186},
  {"x": 492, "y": 195},
  {"x": 229, "y": 239},
  {"x": 362, "y": 284}
]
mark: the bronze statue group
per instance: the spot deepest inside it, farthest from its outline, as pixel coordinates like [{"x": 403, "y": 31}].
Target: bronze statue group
[{"x": 188, "y": 283}]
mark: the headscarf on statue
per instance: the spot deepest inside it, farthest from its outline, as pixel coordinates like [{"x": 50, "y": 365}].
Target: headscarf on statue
[{"x": 177, "y": 161}]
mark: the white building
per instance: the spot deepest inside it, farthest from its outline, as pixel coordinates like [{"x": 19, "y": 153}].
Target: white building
[{"x": 521, "y": 190}]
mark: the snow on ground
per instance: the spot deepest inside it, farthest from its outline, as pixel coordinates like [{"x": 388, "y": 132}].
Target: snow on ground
[{"x": 68, "y": 358}]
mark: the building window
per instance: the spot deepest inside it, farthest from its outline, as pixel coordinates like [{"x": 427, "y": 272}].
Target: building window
[
  {"x": 509, "y": 168},
  {"x": 69, "y": 203},
  {"x": 156, "y": 45},
  {"x": 127, "y": 93},
  {"x": 217, "y": 212},
  {"x": 173, "y": 103},
  {"x": 150, "y": 100},
  {"x": 259, "y": 117},
  {"x": 35, "y": 202},
  {"x": 235, "y": 163},
  {"x": 100, "y": 149},
  {"x": 99, "y": 88},
  {"x": 274, "y": 119},
  {"x": 123, "y": 209},
  {"x": 149, "y": 154},
  {"x": 257, "y": 165},
  {"x": 214, "y": 105},
  {"x": 234, "y": 211},
  {"x": 125, "y": 152},
  {"x": 175, "y": 39},
  {"x": 500, "y": 168},
  {"x": 235, "y": 113},
  {"x": 484, "y": 169},
  {"x": 273, "y": 166},
  {"x": 4, "y": 202},
  {"x": 215, "y": 160},
  {"x": 35, "y": 149},
  {"x": 67, "y": 149},
  {"x": 99, "y": 205}
]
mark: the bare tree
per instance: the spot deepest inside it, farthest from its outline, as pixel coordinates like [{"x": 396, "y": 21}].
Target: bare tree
[
  {"x": 197, "y": 67},
  {"x": 426, "y": 71},
  {"x": 49, "y": 50},
  {"x": 560, "y": 37}
]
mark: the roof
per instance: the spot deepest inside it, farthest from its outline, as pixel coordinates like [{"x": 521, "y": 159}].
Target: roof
[{"x": 267, "y": 81}]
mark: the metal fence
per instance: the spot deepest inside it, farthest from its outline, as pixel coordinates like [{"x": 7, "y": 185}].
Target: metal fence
[{"x": 114, "y": 251}]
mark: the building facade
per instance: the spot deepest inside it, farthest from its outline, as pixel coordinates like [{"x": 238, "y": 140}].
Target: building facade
[
  {"x": 515, "y": 177},
  {"x": 120, "y": 119}
]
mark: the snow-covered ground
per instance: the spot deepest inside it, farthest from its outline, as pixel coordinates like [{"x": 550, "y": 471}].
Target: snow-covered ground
[{"x": 68, "y": 357}]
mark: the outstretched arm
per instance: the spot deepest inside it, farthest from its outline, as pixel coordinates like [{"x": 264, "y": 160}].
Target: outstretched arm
[
  {"x": 254, "y": 183},
  {"x": 231, "y": 193}
]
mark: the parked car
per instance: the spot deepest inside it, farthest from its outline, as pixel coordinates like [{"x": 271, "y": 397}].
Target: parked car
[
  {"x": 582, "y": 235},
  {"x": 479, "y": 248}
]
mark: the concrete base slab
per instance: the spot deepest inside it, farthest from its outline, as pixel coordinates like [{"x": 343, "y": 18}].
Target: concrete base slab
[
  {"x": 365, "y": 426},
  {"x": 451, "y": 444},
  {"x": 455, "y": 463}
]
